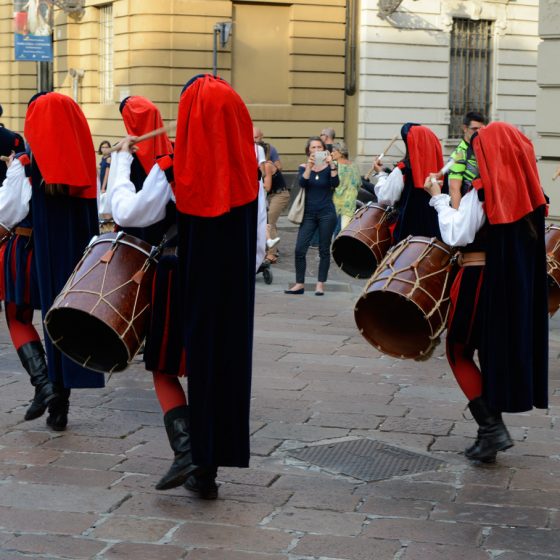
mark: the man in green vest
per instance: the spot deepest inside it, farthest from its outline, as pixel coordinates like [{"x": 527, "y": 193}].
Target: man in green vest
[{"x": 464, "y": 168}]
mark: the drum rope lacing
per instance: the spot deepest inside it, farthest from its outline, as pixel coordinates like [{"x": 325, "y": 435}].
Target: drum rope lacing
[
  {"x": 388, "y": 262},
  {"x": 69, "y": 287},
  {"x": 551, "y": 261}
]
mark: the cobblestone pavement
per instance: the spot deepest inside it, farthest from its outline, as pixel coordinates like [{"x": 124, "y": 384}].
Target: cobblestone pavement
[{"x": 89, "y": 492}]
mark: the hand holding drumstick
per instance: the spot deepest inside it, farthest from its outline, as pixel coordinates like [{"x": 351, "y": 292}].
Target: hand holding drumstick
[
  {"x": 8, "y": 159},
  {"x": 131, "y": 140},
  {"x": 127, "y": 144},
  {"x": 376, "y": 166}
]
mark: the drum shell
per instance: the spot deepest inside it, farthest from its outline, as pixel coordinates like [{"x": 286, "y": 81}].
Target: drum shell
[
  {"x": 101, "y": 316},
  {"x": 552, "y": 241},
  {"x": 404, "y": 306},
  {"x": 363, "y": 243}
]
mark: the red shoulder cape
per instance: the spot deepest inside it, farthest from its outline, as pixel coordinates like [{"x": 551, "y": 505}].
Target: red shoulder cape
[
  {"x": 140, "y": 116},
  {"x": 214, "y": 165},
  {"x": 424, "y": 152},
  {"x": 60, "y": 140},
  {"x": 508, "y": 173}
]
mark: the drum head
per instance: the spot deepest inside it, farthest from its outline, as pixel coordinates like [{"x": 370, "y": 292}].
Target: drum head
[
  {"x": 393, "y": 324},
  {"x": 354, "y": 257},
  {"x": 90, "y": 342}
]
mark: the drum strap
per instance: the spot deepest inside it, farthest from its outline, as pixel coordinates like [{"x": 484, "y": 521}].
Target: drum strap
[
  {"x": 24, "y": 231},
  {"x": 476, "y": 258}
]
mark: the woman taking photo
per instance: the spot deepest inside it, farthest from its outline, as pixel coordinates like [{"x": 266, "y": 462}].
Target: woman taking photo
[{"x": 319, "y": 177}]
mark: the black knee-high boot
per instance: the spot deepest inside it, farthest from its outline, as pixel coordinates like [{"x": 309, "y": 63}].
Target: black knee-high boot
[
  {"x": 492, "y": 433},
  {"x": 58, "y": 410},
  {"x": 203, "y": 483},
  {"x": 32, "y": 356},
  {"x": 177, "y": 427}
]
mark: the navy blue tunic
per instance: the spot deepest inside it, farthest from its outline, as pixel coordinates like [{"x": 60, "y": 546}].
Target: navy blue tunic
[
  {"x": 217, "y": 309},
  {"x": 20, "y": 272},
  {"x": 62, "y": 228}
]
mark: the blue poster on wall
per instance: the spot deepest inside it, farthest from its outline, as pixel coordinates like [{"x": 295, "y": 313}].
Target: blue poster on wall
[{"x": 33, "y": 30}]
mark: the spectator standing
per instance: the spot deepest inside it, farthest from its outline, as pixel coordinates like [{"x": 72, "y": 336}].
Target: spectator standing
[
  {"x": 318, "y": 179},
  {"x": 278, "y": 200},
  {"x": 104, "y": 163},
  {"x": 327, "y": 136},
  {"x": 274, "y": 156},
  {"x": 345, "y": 194},
  {"x": 464, "y": 168}
]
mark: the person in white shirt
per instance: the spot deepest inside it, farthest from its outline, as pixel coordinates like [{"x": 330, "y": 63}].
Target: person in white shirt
[
  {"x": 403, "y": 187},
  {"x": 21, "y": 291},
  {"x": 499, "y": 297}
]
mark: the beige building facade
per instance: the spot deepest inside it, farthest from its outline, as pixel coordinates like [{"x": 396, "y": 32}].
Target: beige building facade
[
  {"x": 429, "y": 59},
  {"x": 286, "y": 58},
  {"x": 363, "y": 67},
  {"x": 548, "y": 102}
]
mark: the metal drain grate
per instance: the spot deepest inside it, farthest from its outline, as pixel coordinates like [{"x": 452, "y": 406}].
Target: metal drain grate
[{"x": 367, "y": 459}]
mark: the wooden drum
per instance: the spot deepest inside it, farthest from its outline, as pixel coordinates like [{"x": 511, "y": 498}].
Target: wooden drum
[
  {"x": 100, "y": 318},
  {"x": 363, "y": 243},
  {"x": 404, "y": 306},
  {"x": 552, "y": 240}
]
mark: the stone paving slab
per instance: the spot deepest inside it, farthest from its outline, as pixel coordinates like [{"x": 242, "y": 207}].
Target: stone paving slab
[{"x": 89, "y": 492}]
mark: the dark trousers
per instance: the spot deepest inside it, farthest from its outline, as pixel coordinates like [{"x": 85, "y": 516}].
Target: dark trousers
[{"x": 322, "y": 220}]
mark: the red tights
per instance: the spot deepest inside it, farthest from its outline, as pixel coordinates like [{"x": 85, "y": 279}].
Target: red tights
[
  {"x": 169, "y": 391},
  {"x": 20, "y": 324},
  {"x": 465, "y": 370}
]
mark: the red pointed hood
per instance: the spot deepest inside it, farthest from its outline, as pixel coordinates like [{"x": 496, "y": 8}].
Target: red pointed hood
[
  {"x": 140, "y": 116},
  {"x": 508, "y": 173},
  {"x": 424, "y": 152},
  {"x": 215, "y": 166},
  {"x": 60, "y": 140}
]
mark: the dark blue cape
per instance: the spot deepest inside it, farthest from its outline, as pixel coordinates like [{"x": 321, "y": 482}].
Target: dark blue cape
[
  {"x": 513, "y": 348},
  {"x": 62, "y": 228},
  {"x": 218, "y": 296}
]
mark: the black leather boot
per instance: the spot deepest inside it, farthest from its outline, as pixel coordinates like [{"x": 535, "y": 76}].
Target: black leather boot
[
  {"x": 203, "y": 483},
  {"x": 32, "y": 356},
  {"x": 492, "y": 433},
  {"x": 177, "y": 427},
  {"x": 58, "y": 410}
]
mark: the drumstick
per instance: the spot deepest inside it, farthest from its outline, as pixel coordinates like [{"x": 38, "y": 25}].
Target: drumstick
[
  {"x": 149, "y": 135},
  {"x": 382, "y": 154},
  {"x": 444, "y": 170},
  {"x": 556, "y": 175}
]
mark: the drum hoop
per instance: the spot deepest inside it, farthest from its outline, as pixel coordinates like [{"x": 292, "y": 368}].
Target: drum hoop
[
  {"x": 117, "y": 242},
  {"x": 84, "y": 364},
  {"x": 416, "y": 284},
  {"x": 432, "y": 337}
]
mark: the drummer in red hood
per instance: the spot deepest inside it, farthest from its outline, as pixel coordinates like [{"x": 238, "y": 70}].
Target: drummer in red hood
[
  {"x": 64, "y": 202},
  {"x": 202, "y": 326},
  {"x": 404, "y": 186},
  {"x": 140, "y": 196},
  {"x": 499, "y": 298}
]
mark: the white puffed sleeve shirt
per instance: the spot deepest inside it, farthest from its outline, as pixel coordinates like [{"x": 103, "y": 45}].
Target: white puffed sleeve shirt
[
  {"x": 389, "y": 188},
  {"x": 15, "y": 194},
  {"x": 459, "y": 226},
  {"x": 136, "y": 209},
  {"x": 147, "y": 206}
]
